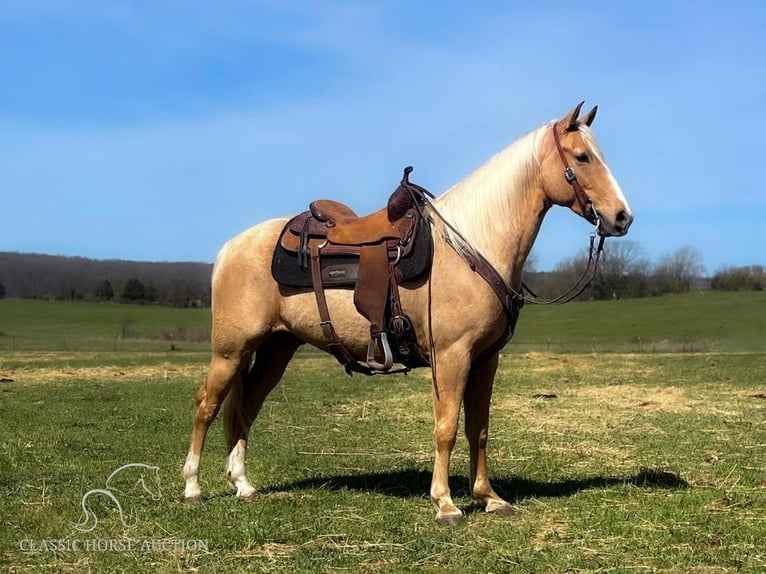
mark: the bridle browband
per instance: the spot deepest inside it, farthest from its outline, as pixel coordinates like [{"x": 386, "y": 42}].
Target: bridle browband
[{"x": 586, "y": 203}]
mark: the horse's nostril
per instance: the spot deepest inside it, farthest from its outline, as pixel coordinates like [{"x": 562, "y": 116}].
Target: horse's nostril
[{"x": 622, "y": 220}]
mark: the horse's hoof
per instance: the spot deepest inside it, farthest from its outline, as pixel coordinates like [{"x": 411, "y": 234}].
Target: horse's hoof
[
  {"x": 450, "y": 519},
  {"x": 504, "y": 510},
  {"x": 248, "y": 497},
  {"x": 191, "y": 499}
]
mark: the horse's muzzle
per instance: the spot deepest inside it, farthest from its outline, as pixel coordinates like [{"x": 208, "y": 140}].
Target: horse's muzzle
[{"x": 616, "y": 227}]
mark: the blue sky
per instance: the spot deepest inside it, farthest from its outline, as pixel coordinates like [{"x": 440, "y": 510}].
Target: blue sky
[{"x": 158, "y": 130}]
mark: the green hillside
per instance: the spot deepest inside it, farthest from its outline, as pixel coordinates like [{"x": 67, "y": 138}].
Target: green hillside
[
  {"x": 703, "y": 321},
  {"x": 707, "y": 321},
  {"x": 64, "y": 325}
]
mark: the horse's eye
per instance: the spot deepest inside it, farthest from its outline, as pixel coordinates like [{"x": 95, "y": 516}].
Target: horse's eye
[{"x": 582, "y": 158}]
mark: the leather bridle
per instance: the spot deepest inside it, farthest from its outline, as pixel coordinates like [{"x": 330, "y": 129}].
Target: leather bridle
[
  {"x": 513, "y": 299},
  {"x": 586, "y": 203}
]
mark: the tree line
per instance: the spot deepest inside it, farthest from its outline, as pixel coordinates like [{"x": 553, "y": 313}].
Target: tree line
[
  {"x": 624, "y": 272},
  {"x": 35, "y": 276}
]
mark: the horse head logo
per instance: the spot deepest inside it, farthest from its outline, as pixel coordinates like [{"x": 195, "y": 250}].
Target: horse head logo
[{"x": 147, "y": 483}]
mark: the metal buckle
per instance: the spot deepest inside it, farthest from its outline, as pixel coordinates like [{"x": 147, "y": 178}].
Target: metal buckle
[
  {"x": 596, "y": 222},
  {"x": 401, "y": 325},
  {"x": 569, "y": 174}
]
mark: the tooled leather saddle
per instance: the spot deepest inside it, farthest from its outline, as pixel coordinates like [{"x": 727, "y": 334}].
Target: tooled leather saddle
[{"x": 329, "y": 246}]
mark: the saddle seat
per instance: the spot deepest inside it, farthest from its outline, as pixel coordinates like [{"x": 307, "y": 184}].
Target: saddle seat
[{"x": 344, "y": 227}]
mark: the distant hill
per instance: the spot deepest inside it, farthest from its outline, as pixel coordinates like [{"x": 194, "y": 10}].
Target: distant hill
[{"x": 36, "y": 276}]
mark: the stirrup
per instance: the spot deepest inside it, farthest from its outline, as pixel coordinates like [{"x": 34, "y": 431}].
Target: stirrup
[{"x": 388, "y": 358}]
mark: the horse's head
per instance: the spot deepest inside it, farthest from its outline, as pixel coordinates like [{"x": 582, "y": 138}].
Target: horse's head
[
  {"x": 153, "y": 478},
  {"x": 575, "y": 175},
  {"x": 148, "y": 479}
]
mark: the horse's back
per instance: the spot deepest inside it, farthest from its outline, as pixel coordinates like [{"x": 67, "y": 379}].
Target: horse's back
[{"x": 245, "y": 297}]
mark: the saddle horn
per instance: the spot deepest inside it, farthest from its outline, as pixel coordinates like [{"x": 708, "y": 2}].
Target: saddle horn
[{"x": 406, "y": 177}]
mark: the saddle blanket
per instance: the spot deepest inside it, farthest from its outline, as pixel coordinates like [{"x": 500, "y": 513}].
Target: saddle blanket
[{"x": 343, "y": 270}]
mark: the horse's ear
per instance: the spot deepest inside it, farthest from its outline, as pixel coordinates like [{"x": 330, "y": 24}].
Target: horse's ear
[
  {"x": 590, "y": 116},
  {"x": 569, "y": 123}
]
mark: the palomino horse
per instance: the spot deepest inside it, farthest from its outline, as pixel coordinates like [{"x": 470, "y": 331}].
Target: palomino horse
[{"x": 257, "y": 325}]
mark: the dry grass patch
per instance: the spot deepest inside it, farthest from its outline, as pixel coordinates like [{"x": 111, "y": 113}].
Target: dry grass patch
[
  {"x": 634, "y": 398},
  {"x": 550, "y": 533},
  {"x": 271, "y": 551},
  {"x": 600, "y": 409},
  {"x": 586, "y": 365},
  {"x": 589, "y": 451},
  {"x": 43, "y": 374},
  {"x": 576, "y": 410},
  {"x": 55, "y": 368}
]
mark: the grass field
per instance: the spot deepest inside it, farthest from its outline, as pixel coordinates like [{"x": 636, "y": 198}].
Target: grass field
[
  {"x": 708, "y": 321},
  {"x": 33, "y": 325},
  {"x": 641, "y": 463},
  {"x": 635, "y": 460}
]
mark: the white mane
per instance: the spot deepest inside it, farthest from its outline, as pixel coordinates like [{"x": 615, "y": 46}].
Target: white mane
[{"x": 484, "y": 206}]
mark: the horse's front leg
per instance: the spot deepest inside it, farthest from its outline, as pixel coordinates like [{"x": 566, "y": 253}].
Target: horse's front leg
[
  {"x": 447, "y": 393},
  {"x": 477, "y": 397}
]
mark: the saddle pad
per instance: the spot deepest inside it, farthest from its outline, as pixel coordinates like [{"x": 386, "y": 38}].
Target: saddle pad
[{"x": 343, "y": 270}]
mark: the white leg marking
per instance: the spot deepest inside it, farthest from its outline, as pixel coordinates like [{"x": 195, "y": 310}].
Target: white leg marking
[
  {"x": 191, "y": 473},
  {"x": 235, "y": 470}
]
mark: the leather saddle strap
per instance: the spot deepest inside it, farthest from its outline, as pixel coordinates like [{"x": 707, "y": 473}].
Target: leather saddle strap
[
  {"x": 401, "y": 326},
  {"x": 372, "y": 286},
  {"x": 370, "y": 298},
  {"x": 396, "y": 304},
  {"x": 334, "y": 343}
]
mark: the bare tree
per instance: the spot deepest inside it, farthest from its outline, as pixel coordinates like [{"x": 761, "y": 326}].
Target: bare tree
[
  {"x": 623, "y": 271},
  {"x": 623, "y": 257},
  {"x": 530, "y": 265},
  {"x": 675, "y": 271}
]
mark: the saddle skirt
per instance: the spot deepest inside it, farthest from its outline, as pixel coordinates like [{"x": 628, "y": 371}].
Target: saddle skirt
[{"x": 340, "y": 263}]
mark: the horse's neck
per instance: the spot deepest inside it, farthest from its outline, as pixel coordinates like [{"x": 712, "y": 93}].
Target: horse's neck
[{"x": 500, "y": 207}]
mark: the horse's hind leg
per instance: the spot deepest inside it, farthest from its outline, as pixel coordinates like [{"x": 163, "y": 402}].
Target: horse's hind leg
[
  {"x": 476, "y": 403},
  {"x": 245, "y": 401},
  {"x": 224, "y": 370}
]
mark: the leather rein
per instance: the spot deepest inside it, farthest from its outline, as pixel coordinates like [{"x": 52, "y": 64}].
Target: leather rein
[{"x": 511, "y": 299}]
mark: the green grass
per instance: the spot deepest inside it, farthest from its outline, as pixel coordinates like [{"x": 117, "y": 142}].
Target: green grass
[
  {"x": 70, "y": 326},
  {"x": 708, "y": 321},
  {"x": 641, "y": 463},
  {"x": 647, "y": 460},
  {"x": 704, "y": 321}
]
